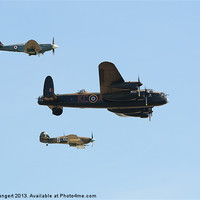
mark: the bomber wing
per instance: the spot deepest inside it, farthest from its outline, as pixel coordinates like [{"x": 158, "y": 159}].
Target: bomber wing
[
  {"x": 112, "y": 85},
  {"x": 108, "y": 75}
]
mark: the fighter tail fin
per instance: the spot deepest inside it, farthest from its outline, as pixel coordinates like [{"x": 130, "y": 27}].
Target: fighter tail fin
[{"x": 44, "y": 137}]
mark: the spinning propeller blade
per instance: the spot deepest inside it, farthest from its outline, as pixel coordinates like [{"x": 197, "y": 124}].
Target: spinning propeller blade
[
  {"x": 139, "y": 86},
  {"x": 92, "y": 140},
  {"x": 150, "y": 114},
  {"x": 146, "y": 93},
  {"x": 54, "y": 46}
]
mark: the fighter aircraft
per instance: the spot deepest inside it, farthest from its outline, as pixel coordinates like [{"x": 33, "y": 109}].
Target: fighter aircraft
[
  {"x": 31, "y": 47},
  {"x": 72, "y": 140},
  {"x": 120, "y": 97}
]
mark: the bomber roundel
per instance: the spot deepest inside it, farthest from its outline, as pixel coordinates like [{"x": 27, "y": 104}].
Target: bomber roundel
[
  {"x": 93, "y": 98},
  {"x": 15, "y": 47},
  {"x": 51, "y": 90}
]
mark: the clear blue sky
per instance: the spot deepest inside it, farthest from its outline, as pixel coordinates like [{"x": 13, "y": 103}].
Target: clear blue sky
[{"x": 131, "y": 158}]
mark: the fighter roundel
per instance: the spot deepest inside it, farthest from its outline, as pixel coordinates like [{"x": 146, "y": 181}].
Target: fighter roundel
[{"x": 93, "y": 98}]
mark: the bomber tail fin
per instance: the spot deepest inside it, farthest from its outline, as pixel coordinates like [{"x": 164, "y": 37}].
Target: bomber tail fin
[
  {"x": 49, "y": 95},
  {"x": 48, "y": 90},
  {"x": 1, "y": 44}
]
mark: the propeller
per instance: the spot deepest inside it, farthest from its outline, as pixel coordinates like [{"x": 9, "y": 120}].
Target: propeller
[
  {"x": 146, "y": 97},
  {"x": 92, "y": 140},
  {"x": 54, "y": 46},
  {"x": 150, "y": 114},
  {"x": 139, "y": 86}
]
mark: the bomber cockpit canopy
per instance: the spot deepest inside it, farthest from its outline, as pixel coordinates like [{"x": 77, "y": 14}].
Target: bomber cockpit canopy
[
  {"x": 150, "y": 91},
  {"x": 82, "y": 91}
]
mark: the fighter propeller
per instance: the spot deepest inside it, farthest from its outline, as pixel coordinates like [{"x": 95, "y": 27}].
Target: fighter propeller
[
  {"x": 92, "y": 140},
  {"x": 54, "y": 46}
]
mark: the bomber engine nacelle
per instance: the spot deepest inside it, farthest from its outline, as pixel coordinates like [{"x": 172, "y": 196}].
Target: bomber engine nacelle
[
  {"x": 128, "y": 85},
  {"x": 57, "y": 111}
]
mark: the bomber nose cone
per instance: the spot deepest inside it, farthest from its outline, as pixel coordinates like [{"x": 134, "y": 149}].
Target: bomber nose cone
[
  {"x": 55, "y": 46},
  {"x": 166, "y": 99},
  {"x": 163, "y": 98}
]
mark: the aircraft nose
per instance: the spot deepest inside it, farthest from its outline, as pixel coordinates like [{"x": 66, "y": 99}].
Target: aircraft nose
[
  {"x": 166, "y": 99},
  {"x": 55, "y": 46}
]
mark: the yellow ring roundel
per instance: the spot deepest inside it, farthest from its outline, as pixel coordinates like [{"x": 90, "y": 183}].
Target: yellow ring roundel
[{"x": 93, "y": 98}]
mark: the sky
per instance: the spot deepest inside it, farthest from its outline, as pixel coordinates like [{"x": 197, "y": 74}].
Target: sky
[{"x": 131, "y": 158}]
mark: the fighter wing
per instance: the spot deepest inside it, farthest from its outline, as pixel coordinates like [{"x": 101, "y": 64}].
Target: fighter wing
[
  {"x": 32, "y": 47},
  {"x": 133, "y": 112},
  {"x": 73, "y": 140}
]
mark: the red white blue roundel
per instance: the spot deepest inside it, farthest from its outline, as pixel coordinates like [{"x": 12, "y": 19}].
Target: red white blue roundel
[
  {"x": 93, "y": 98},
  {"x": 15, "y": 47}
]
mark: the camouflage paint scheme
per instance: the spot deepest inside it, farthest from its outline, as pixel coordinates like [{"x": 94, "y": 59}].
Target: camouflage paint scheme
[
  {"x": 120, "y": 97},
  {"x": 72, "y": 140}
]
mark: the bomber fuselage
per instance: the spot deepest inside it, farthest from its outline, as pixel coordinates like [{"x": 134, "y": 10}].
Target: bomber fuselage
[{"x": 95, "y": 100}]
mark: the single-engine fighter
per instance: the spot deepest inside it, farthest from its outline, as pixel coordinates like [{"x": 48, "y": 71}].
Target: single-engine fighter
[
  {"x": 31, "y": 47},
  {"x": 120, "y": 97},
  {"x": 72, "y": 140}
]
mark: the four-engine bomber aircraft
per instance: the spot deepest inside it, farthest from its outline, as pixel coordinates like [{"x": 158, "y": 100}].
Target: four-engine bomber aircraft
[
  {"x": 122, "y": 98},
  {"x": 31, "y": 47},
  {"x": 72, "y": 140}
]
